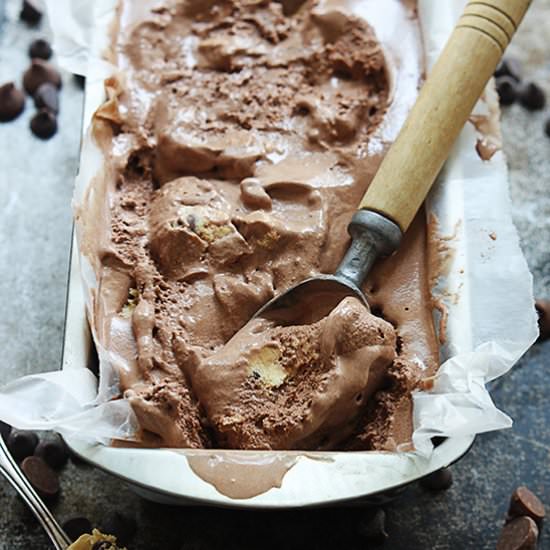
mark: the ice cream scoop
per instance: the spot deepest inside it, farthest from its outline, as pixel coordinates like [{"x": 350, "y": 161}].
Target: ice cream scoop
[{"x": 411, "y": 165}]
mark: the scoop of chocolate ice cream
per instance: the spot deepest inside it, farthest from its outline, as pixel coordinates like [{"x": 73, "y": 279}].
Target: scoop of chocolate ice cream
[
  {"x": 298, "y": 386},
  {"x": 191, "y": 228}
]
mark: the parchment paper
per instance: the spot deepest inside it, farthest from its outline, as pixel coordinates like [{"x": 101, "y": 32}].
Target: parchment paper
[{"x": 486, "y": 287}]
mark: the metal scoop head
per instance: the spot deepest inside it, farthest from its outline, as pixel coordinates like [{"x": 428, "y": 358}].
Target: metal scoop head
[{"x": 373, "y": 236}]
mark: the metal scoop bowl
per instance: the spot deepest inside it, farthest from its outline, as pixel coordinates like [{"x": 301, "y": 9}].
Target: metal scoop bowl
[{"x": 373, "y": 236}]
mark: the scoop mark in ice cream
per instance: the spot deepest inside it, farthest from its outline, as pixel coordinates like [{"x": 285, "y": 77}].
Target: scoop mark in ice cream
[{"x": 235, "y": 140}]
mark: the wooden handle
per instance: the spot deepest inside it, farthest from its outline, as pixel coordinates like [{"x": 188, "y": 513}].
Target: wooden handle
[{"x": 442, "y": 108}]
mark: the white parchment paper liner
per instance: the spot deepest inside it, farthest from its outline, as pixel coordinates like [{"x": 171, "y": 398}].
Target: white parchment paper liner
[{"x": 487, "y": 288}]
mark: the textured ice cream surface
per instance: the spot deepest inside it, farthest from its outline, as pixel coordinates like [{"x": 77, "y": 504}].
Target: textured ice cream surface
[
  {"x": 238, "y": 138},
  {"x": 279, "y": 385}
]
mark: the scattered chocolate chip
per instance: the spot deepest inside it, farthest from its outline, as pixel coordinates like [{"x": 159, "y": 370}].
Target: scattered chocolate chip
[
  {"x": 12, "y": 102},
  {"x": 39, "y": 72},
  {"x": 75, "y": 527},
  {"x": 103, "y": 545},
  {"x": 44, "y": 124},
  {"x": 5, "y": 430},
  {"x": 510, "y": 67},
  {"x": 44, "y": 480},
  {"x": 440, "y": 480},
  {"x": 373, "y": 527},
  {"x": 30, "y": 13},
  {"x": 120, "y": 526},
  {"x": 543, "y": 309},
  {"x": 53, "y": 451},
  {"x": 520, "y": 534},
  {"x": 507, "y": 90},
  {"x": 41, "y": 49},
  {"x": 532, "y": 97},
  {"x": 22, "y": 443},
  {"x": 547, "y": 128},
  {"x": 80, "y": 80},
  {"x": 47, "y": 97},
  {"x": 526, "y": 503}
]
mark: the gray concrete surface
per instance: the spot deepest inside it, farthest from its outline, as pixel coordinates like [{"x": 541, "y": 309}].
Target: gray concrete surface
[{"x": 35, "y": 228}]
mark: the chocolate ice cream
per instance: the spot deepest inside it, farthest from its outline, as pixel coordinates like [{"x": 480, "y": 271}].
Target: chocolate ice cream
[
  {"x": 281, "y": 385},
  {"x": 238, "y": 137}
]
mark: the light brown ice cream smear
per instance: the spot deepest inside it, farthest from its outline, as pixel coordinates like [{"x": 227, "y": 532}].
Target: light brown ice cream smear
[{"x": 238, "y": 138}]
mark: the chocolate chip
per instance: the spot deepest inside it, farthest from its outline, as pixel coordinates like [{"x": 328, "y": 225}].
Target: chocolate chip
[
  {"x": 12, "y": 102},
  {"x": 510, "y": 67},
  {"x": 53, "y": 451},
  {"x": 543, "y": 310},
  {"x": 44, "y": 480},
  {"x": 5, "y": 430},
  {"x": 44, "y": 124},
  {"x": 526, "y": 503},
  {"x": 103, "y": 545},
  {"x": 373, "y": 527},
  {"x": 121, "y": 526},
  {"x": 532, "y": 97},
  {"x": 440, "y": 480},
  {"x": 520, "y": 534},
  {"x": 507, "y": 90},
  {"x": 38, "y": 73},
  {"x": 75, "y": 527},
  {"x": 47, "y": 97},
  {"x": 22, "y": 443},
  {"x": 41, "y": 49},
  {"x": 30, "y": 13}
]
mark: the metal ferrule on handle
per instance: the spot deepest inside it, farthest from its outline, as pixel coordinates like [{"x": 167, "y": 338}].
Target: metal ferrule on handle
[{"x": 373, "y": 236}]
